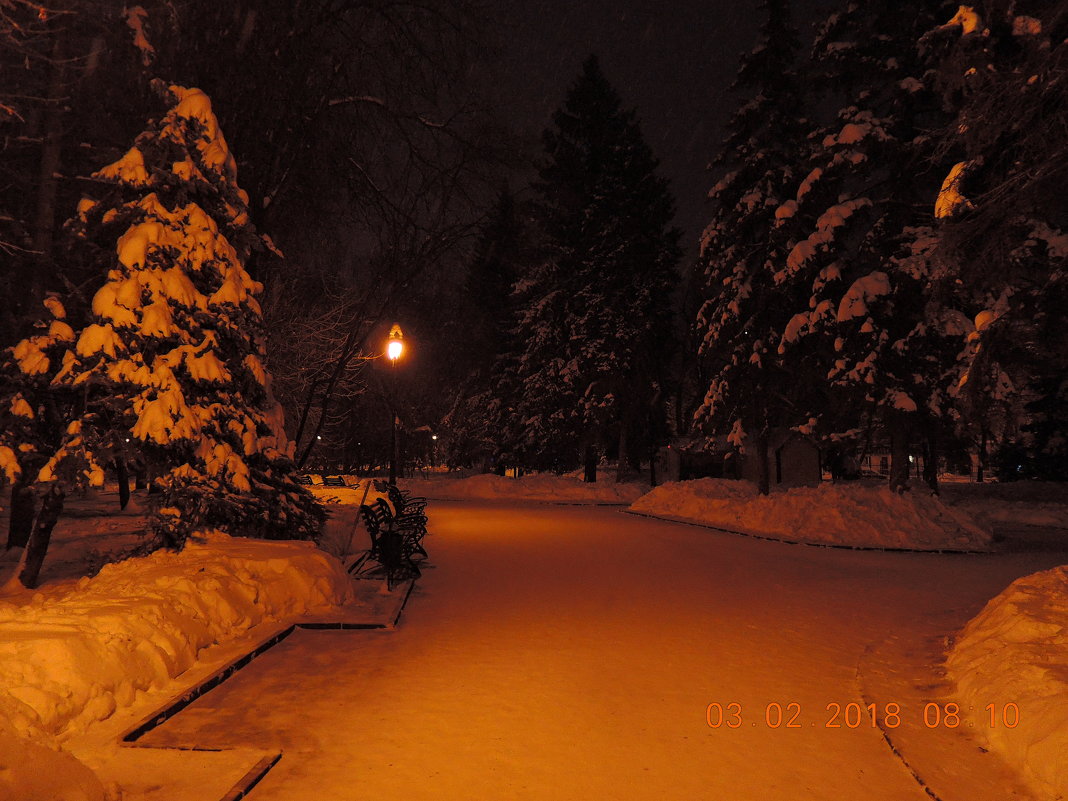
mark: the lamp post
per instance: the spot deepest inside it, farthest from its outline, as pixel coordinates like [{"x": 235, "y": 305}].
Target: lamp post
[{"x": 394, "y": 349}]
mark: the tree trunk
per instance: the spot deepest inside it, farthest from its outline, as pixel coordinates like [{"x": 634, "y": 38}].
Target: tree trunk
[
  {"x": 899, "y": 453},
  {"x": 37, "y": 548},
  {"x": 980, "y": 472},
  {"x": 622, "y": 465},
  {"x": 590, "y": 464},
  {"x": 634, "y": 459},
  {"x": 23, "y": 505},
  {"x": 124, "y": 482},
  {"x": 51, "y": 150},
  {"x": 761, "y": 447},
  {"x": 930, "y": 463}
]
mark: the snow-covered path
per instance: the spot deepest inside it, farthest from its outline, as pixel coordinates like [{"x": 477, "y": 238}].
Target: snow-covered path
[{"x": 571, "y": 653}]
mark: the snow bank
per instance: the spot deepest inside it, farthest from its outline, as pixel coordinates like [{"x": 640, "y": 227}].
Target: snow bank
[
  {"x": 833, "y": 514},
  {"x": 534, "y": 487},
  {"x": 1015, "y": 652},
  {"x": 33, "y": 772},
  {"x": 73, "y": 653}
]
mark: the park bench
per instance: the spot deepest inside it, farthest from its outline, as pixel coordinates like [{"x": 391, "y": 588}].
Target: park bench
[
  {"x": 333, "y": 481},
  {"x": 411, "y": 525},
  {"x": 403, "y": 501},
  {"x": 395, "y": 544},
  {"x": 304, "y": 480}
]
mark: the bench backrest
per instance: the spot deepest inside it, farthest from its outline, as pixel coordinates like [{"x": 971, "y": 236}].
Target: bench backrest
[
  {"x": 383, "y": 510},
  {"x": 373, "y": 519}
]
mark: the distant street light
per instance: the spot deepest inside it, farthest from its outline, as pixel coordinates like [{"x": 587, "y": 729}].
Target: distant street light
[
  {"x": 394, "y": 349},
  {"x": 396, "y": 344}
]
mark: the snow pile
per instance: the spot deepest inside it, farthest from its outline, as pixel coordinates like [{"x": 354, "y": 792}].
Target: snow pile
[
  {"x": 33, "y": 772},
  {"x": 1015, "y": 652},
  {"x": 533, "y": 487},
  {"x": 831, "y": 514},
  {"x": 73, "y": 653}
]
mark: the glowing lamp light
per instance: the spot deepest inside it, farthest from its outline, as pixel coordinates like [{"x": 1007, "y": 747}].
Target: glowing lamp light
[{"x": 395, "y": 347}]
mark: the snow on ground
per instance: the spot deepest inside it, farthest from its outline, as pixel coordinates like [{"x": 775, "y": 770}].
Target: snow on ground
[
  {"x": 80, "y": 648},
  {"x": 73, "y": 652},
  {"x": 532, "y": 487},
  {"x": 344, "y": 533},
  {"x": 92, "y": 532},
  {"x": 31, "y": 771},
  {"x": 1015, "y": 503},
  {"x": 853, "y": 514},
  {"x": 544, "y": 632},
  {"x": 1014, "y": 654}
]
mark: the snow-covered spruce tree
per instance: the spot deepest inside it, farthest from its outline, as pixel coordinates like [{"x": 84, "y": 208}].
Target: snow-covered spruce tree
[
  {"x": 486, "y": 342},
  {"x": 595, "y": 313},
  {"x": 752, "y": 389},
  {"x": 545, "y": 426},
  {"x": 171, "y": 365},
  {"x": 1004, "y": 223},
  {"x": 886, "y": 329}
]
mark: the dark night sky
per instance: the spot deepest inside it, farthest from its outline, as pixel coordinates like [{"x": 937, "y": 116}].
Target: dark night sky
[{"x": 672, "y": 61}]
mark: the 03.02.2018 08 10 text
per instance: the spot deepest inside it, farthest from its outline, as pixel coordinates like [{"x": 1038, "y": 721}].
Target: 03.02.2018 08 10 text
[{"x": 854, "y": 715}]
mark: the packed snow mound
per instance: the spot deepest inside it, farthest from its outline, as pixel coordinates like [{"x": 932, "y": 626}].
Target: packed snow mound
[
  {"x": 31, "y": 771},
  {"x": 831, "y": 514},
  {"x": 533, "y": 487},
  {"x": 1015, "y": 652},
  {"x": 73, "y": 653}
]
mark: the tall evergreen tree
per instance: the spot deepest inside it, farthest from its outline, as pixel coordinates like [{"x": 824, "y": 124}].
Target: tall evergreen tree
[
  {"x": 1004, "y": 220},
  {"x": 752, "y": 389},
  {"x": 887, "y": 336},
  {"x": 169, "y": 367},
  {"x": 595, "y": 313},
  {"x": 478, "y": 416}
]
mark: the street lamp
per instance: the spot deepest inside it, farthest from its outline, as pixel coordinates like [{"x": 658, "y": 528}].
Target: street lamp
[
  {"x": 394, "y": 349},
  {"x": 395, "y": 346}
]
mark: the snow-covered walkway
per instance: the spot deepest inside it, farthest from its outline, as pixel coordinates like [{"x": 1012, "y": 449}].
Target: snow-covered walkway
[{"x": 572, "y": 653}]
